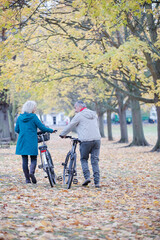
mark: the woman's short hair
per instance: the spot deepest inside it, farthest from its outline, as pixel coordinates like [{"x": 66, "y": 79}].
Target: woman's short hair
[
  {"x": 80, "y": 103},
  {"x": 29, "y": 106}
]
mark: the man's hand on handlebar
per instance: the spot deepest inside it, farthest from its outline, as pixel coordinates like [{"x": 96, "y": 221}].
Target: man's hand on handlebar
[
  {"x": 62, "y": 136},
  {"x": 54, "y": 131}
]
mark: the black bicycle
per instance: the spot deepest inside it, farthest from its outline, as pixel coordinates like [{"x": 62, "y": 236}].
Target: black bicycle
[
  {"x": 69, "y": 170},
  {"x": 46, "y": 159}
]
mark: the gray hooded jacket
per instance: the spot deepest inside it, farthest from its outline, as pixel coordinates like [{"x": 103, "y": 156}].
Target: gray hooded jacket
[{"x": 86, "y": 124}]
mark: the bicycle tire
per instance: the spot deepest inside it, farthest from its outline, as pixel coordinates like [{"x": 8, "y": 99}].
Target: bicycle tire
[
  {"x": 65, "y": 169},
  {"x": 53, "y": 175},
  {"x": 49, "y": 174},
  {"x": 71, "y": 172},
  {"x": 51, "y": 166}
]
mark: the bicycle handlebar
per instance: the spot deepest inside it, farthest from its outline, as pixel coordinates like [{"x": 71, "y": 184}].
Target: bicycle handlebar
[
  {"x": 69, "y": 137},
  {"x": 40, "y": 132},
  {"x": 72, "y": 138}
]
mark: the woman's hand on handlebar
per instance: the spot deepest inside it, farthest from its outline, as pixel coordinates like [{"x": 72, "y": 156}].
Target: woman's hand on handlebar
[{"x": 54, "y": 131}]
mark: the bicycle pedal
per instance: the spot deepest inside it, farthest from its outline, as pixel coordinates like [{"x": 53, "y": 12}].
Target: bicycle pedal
[
  {"x": 75, "y": 181},
  {"x": 45, "y": 176},
  {"x": 40, "y": 166}
]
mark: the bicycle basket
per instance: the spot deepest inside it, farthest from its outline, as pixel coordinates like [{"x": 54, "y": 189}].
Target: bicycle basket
[{"x": 46, "y": 137}]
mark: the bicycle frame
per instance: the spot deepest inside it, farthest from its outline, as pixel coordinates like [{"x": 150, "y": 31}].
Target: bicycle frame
[
  {"x": 46, "y": 160},
  {"x": 70, "y": 161},
  {"x": 43, "y": 152}
]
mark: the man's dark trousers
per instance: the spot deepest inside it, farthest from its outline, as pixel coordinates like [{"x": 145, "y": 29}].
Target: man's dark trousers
[{"x": 93, "y": 148}]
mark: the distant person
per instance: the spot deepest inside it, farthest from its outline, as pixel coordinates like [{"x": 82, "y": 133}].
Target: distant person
[
  {"x": 86, "y": 124},
  {"x": 27, "y": 144}
]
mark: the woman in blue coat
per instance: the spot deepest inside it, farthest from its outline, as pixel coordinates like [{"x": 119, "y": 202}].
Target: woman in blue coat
[{"x": 27, "y": 144}]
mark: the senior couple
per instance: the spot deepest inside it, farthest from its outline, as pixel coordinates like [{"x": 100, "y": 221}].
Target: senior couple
[{"x": 86, "y": 124}]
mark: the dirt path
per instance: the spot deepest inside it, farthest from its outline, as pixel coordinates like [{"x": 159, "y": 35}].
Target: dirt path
[{"x": 126, "y": 207}]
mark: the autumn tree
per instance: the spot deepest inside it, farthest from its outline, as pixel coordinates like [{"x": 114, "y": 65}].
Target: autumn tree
[
  {"x": 13, "y": 16},
  {"x": 141, "y": 19},
  {"x": 97, "y": 57},
  {"x": 90, "y": 36}
]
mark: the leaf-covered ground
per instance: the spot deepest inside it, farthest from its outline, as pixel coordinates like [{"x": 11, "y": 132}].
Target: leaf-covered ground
[{"x": 127, "y": 206}]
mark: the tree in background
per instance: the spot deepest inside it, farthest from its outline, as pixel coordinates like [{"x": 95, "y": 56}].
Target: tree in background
[{"x": 86, "y": 37}]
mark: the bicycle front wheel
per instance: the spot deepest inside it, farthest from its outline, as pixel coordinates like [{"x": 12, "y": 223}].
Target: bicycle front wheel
[
  {"x": 50, "y": 172},
  {"x": 72, "y": 166},
  {"x": 53, "y": 175},
  {"x": 66, "y": 169}
]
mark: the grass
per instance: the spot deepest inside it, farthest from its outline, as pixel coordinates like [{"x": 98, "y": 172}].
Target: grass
[{"x": 150, "y": 132}]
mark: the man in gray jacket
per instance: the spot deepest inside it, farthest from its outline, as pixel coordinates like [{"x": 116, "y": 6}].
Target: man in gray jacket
[{"x": 86, "y": 124}]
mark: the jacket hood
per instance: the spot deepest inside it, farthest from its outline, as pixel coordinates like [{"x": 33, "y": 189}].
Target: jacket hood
[
  {"x": 25, "y": 117},
  {"x": 87, "y": 113}
]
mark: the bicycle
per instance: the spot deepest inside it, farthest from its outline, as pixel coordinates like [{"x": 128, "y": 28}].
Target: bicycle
[
  {"x": 69, "y": 170},
  {"x": 46, "y": 159}
]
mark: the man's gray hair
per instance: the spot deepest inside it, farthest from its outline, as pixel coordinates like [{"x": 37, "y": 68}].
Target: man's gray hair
[
  {"x": 80, "y": 103},
  {"x": 29, "y": 106}
]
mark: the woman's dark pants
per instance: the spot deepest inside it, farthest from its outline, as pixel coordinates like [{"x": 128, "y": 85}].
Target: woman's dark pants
[{"x": 32, "y": 166}]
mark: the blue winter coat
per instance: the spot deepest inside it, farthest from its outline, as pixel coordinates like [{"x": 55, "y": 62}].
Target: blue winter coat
[{"x": 26, "y": 127}]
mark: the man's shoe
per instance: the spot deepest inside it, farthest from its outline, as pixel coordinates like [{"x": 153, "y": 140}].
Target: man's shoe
[
  {"x": 97, "y": 185},
  {"x": 86, "y": 182},
  {"x": 33, "y": 178}
]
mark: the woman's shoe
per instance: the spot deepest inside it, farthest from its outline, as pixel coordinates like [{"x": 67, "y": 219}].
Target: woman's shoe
[
  {"x": 33, "y": 178},
  {"x": 97, "y": 185},
  {"x": 28, "y": 181}
]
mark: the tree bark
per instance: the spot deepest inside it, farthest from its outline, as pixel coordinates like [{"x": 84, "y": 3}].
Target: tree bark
[
  {"x": 4, "y": 126},
  {"x": 157, "y": 146},
  {"x": 123, "y": 126},
  {"x": 101, "y": 124},
  {"x": 11, "y": 111},
  {"x": 138, "y": 134},
  {"x": 122, "y": 118},
  {"x": 109, "y": 126}
]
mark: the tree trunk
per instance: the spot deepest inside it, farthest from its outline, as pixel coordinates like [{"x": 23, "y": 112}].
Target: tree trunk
[
  {"x": 4, "y": 121},
  {"x": 122, "y": 118},
  {"x": 123, "y": 127},
  {"x": 101, "y": 124},
  {"x": 11, "y": 121},
  {"x": 157, "y": 146},
  {"x": 109, "y": 125},
  {"x": 153, "y": 65},
  {"x": 4, "y": 126},
  {"x": 138, "y": 134}
]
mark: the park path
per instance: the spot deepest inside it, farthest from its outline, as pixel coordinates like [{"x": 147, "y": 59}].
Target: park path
[{"x": 126, "y": 207}]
